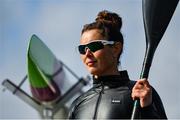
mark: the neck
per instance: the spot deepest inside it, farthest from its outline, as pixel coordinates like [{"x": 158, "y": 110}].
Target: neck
[{"x": 116, "y": 72}]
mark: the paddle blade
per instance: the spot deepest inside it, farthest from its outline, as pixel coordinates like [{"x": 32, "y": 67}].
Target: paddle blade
[{"x": 157, "y": 15}]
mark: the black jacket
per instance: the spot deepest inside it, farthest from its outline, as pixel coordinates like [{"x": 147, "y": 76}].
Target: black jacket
[{"x": 110, "y": 98}]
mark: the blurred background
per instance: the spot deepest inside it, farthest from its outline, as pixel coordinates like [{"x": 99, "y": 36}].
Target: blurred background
[{"x": 58, "y": 24}]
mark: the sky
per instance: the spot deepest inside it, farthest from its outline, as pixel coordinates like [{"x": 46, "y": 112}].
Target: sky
[{"x": 59, "y": 24}]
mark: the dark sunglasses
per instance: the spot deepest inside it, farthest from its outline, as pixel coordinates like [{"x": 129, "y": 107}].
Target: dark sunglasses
[{"x": 94, "y": 46}]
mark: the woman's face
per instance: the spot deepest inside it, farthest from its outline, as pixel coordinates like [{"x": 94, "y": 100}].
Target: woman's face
[{"x": 101, "y": 62}]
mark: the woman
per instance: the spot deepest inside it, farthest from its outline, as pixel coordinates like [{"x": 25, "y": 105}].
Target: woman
[{"x": 113, "y": 93}]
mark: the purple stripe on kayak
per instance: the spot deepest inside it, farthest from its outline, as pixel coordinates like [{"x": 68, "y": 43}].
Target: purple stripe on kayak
[{"x": 45, "y": 93}]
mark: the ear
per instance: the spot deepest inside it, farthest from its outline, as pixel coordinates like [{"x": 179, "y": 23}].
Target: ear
[{"x": 117, "y": 48}]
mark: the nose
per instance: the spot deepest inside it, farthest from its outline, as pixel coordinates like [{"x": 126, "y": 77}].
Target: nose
[{"x": 88, "y": 51}]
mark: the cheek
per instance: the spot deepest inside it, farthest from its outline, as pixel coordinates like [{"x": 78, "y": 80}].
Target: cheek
[
  {"x": 82, "y": 58},
  {"x": 108, "y": 59},
  {"x": 105, "y": 58}
]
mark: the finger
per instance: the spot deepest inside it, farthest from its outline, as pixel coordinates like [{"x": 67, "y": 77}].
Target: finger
[
  {"x": 147, "y": 84},
  {"x": 139, "y": 85},
  {"x": 144, "y": 82},
  {"x": 141, "y": 93},
  {"x": 136, "y": 93},
  {"x": 142, "y": 89}
]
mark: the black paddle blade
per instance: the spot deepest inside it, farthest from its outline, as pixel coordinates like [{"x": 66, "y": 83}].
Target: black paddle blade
[{"x": 156, "y": 16}]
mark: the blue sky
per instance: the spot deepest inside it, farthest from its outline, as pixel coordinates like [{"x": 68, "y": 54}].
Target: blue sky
[{"x": 59, "y": 23}]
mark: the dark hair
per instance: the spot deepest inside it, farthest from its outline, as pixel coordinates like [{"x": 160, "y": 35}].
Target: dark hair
[{"x": 109, "y": 24}]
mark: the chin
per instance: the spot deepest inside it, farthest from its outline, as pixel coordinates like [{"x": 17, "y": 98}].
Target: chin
[{"x": 94, "y": 71}]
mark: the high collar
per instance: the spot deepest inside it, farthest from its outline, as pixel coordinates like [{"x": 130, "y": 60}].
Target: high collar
[{"x": 116, "y": 80}]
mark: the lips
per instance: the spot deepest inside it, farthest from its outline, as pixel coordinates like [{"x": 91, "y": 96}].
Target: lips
[{"x": 91, "y": 63}]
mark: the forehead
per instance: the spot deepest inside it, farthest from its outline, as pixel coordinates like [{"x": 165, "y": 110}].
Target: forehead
[{"x": 91, "y": 35}]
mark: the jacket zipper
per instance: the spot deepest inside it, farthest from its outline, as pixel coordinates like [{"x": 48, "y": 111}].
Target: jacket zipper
[{"x": 98, "y": 101}]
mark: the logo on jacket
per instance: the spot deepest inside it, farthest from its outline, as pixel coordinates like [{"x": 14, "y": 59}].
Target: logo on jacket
[{"x": 116, "y": 101}]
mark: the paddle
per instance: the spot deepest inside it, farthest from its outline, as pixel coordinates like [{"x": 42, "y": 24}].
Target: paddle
[{"x": 156, "y": 16}]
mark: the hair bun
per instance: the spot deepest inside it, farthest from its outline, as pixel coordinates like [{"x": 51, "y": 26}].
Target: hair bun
[{"x": 110, "y": 18}]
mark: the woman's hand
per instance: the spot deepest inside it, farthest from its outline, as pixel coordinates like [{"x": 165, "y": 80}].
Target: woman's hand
[{"x": 142, "y": 91}]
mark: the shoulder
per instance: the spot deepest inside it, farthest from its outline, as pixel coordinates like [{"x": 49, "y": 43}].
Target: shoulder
[
  {"x": 131, "y": 84},
  {"x": 86, "y": 95}
]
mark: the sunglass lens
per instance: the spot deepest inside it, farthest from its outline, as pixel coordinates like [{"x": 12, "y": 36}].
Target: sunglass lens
[
  {"x": 94, "y": 46},
  {"x": 81, "y": 49}
]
